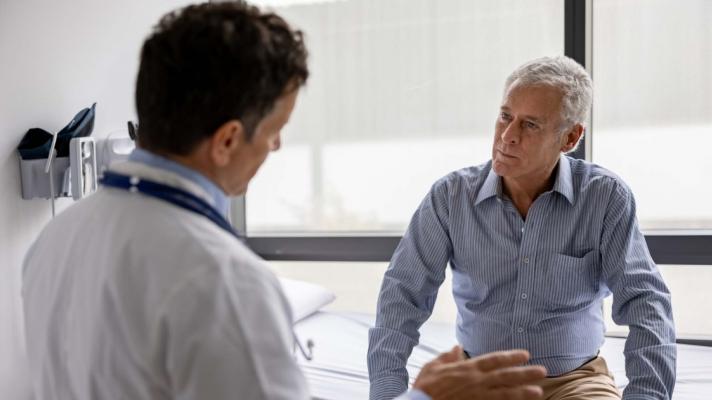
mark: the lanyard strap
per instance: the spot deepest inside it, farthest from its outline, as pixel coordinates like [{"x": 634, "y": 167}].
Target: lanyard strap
[{"x": 178, "y": 197}]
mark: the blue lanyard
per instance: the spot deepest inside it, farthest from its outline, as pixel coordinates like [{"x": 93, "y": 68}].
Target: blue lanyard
[{"x": 178, "y": 197}]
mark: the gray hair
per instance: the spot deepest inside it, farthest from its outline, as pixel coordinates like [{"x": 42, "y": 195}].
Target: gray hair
[{"x": 564, "y": 74}]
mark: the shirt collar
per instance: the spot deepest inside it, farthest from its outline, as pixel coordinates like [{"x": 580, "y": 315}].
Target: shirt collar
[
  {"x": 492, "y": 187},
  {"x": 563, "y": 184},
  {"x": 564, "y": 180},
  {"x": 220, "y": 200}
]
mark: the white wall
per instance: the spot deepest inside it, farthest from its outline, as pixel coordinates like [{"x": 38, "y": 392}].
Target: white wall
[{"x": 56, "y": 57}]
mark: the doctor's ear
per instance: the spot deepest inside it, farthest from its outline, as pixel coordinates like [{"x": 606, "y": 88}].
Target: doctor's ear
[{"x": 225, "y": 141}]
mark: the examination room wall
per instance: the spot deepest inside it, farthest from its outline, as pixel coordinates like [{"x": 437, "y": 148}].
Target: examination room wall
[{"x": 55, "y": 59}]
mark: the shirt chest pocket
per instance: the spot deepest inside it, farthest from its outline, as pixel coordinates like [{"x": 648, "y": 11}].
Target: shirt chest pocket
[{"x": 572, "y": 281}]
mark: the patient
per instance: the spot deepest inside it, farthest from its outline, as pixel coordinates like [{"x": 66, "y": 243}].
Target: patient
[{"x": 536, "y": 240}]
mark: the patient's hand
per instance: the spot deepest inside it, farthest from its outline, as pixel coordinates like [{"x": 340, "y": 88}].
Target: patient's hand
[{"x": 494, "y": 376}]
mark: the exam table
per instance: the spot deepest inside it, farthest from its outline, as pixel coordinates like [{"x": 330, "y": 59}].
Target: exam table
[{"x": 338, "y": 370}]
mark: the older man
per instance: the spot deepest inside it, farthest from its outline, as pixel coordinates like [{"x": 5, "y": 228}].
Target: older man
[{"x": 536, "y": 240}]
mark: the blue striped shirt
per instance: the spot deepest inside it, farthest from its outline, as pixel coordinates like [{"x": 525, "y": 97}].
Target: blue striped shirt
[{"x": 536, "y": 283}]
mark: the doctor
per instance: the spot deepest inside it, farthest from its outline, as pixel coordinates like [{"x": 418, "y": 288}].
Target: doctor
[{"x": 143, "y": 291}]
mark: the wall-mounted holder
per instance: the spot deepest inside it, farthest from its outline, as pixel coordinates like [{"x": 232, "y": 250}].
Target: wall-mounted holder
[
  {"x": 53, "y": 177},
  {"x": 62, "y": 164},
  {"x": 90, "y": 158},
  {"x": 36, "y": 182}
]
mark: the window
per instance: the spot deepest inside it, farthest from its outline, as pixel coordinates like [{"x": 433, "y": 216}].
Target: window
[
  {"x": 652, "y": 111},
  {"x": 405, "y": 91},
  {"x": 401, "y": 93},
  {"x": 652, "y": 125}
]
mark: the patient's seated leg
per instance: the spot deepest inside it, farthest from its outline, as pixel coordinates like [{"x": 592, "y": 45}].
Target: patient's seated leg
[{"x": 591, "y": 381}]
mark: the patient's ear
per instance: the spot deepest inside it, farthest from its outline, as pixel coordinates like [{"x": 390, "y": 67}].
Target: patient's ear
[
  {"x": 571, "y": 137},
  {"x": 226, "y": 140}
]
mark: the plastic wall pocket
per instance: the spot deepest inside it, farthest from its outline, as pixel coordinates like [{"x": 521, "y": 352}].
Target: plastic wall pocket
[
  {"x": 82, "y": 167},
  {"x": 36, "y": 182}
]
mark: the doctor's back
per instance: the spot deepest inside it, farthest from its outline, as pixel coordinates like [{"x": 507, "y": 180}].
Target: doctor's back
[{"x": 127, "y": 296}]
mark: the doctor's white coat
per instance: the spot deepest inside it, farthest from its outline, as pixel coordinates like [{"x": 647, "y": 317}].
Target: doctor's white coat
[{"x": 131, "y": 297}]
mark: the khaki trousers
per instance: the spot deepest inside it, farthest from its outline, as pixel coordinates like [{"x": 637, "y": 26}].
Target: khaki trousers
[{"x": 591, "y": 381}]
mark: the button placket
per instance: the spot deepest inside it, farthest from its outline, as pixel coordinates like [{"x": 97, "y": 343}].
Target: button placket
[{"x": 527, "y": 253}]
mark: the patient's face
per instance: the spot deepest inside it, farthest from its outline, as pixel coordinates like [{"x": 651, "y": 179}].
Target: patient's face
[{"x": 527, "y": 141}]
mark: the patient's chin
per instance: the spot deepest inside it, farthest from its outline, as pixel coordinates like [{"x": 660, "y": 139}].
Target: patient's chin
[
  {"x": 501, "y": 168},
  {"x": 507, "y": 166}
]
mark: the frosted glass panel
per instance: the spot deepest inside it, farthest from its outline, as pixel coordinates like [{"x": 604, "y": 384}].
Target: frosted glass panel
[
  {"x": 652, "y": 109},
  {"x": 401, "y": 93}
]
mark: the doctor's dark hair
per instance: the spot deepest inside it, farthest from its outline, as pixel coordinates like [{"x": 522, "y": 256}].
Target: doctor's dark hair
[{"x": 207, "y": 64}]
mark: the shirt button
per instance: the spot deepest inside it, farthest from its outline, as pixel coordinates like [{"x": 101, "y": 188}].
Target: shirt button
[
  {"x": 522, "y": 230},
  {"x": 520, "y": 330},
  {"x": 524, "y": 296},
  {"x": 526, "y": 260}
]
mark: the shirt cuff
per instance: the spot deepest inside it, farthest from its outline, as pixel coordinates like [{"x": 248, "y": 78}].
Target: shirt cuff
[{"x": 414, "y": 394}]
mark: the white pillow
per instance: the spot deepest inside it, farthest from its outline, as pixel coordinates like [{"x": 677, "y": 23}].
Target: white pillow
[{"x": 305, "y": 298}]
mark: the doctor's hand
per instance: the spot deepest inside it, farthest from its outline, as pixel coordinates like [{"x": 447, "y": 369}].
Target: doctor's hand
[{"x": 493, "y": 376}]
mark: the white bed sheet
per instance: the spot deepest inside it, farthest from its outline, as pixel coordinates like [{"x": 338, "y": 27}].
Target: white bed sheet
[{"x": 338, "y": 370}]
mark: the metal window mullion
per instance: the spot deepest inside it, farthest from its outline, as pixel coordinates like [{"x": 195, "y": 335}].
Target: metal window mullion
[
  {"x": 665, "y": 249},
  {"x": 576, "y": 25}
]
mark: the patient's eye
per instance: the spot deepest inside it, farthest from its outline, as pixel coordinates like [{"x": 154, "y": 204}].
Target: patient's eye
[
  {"x": 530, "y": 125},
  {"x": 503, "y": 116}
]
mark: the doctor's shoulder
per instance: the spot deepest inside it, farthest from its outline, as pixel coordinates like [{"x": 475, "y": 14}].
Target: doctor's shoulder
[
  {"x": 217, "y": 251},
  {"x": 229, "y": 266}
]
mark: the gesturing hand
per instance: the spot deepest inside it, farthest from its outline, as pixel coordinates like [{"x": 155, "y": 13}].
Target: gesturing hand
[{"x": 493, "y": 376}]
